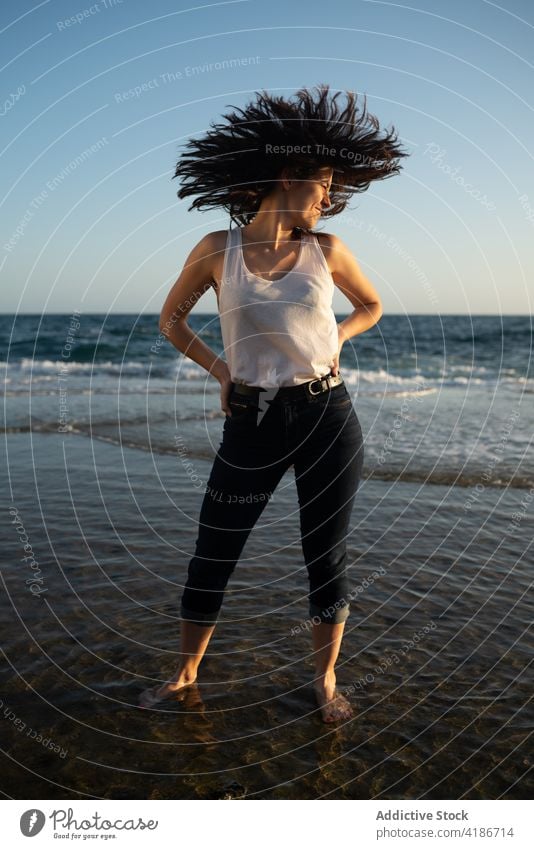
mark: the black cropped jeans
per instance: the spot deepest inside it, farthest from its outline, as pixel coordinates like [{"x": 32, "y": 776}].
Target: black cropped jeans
[{"x": 322, "y": 438}]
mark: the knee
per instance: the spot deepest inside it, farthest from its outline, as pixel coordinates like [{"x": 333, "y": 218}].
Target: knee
[
  {"x": 204, "y": 573},
  {"x": 328, "y": 564}
]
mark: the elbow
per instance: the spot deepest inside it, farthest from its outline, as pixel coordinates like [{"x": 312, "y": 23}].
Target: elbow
[
  {"x": 374, "y": 310},
  {"x": 169, "y": 320},
  {"x": 163, "y": 326}
]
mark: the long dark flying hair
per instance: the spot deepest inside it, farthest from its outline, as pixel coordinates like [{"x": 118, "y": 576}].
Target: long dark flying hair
[{"x": 235, "y": 164}]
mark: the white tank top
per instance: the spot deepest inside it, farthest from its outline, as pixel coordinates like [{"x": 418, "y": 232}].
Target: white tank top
[{"x": 278, "y": 332}]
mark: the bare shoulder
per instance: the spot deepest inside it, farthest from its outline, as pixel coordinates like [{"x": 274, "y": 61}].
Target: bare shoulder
[
  {"x": 211, "y": 244},
  {"x": 217, "y": 238},
  {"x": 332, "y": 247},
  {"x": 214, "y": 245}
]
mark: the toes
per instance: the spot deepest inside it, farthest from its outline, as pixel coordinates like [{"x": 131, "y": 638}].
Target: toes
[
  {"x": 158, "y": 693},
  {"x": 339, "y": 708},
  {"x": 150, "y": 697}
]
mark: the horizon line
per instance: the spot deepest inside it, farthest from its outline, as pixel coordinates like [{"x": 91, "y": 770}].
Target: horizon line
[{"x": 384, "y": 315}]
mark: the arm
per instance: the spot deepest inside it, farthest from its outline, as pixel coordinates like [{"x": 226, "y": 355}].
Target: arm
[
  {"x": 194, "y": 281},
  {"x": 350, "y": 280}
]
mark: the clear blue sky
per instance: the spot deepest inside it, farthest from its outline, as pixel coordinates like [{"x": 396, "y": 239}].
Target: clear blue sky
[{"x": 452, "y": 233}]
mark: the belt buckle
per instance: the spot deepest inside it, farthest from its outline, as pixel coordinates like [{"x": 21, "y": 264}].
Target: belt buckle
[{"x": 317, "y": 380}]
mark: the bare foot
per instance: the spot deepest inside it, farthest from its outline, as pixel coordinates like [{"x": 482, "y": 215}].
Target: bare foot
[
  {"x": 153, "y": 695},
  {"x": 333, "y": 704}
]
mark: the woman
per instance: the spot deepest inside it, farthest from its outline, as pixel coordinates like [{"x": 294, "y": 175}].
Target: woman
[{"x": 277, "y": 167}]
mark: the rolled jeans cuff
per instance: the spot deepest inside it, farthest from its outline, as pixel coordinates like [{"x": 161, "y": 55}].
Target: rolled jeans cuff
[
  {"x": 331, "y": 615},
  {"x": 197, "y": 617}
]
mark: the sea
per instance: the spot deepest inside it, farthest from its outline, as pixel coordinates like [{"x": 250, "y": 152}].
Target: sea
[{"x": 109, "y": 434}]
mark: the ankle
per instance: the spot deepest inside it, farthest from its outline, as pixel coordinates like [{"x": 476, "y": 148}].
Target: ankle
[
  {"x": 187, "y": 674},
  {"x": 325, "y": 676}
]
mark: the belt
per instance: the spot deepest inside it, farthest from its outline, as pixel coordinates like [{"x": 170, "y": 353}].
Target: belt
[{"x": 301, "y": 390}]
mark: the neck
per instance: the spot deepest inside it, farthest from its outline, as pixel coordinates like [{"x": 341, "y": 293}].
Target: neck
[{"x": 271, "y": 226}]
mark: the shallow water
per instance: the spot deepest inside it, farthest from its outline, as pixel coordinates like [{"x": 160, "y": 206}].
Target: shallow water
[
  {"x": 109, "y": 445},
  {"x": 112, "y": 529}
]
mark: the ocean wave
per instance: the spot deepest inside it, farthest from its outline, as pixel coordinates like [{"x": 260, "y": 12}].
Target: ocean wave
[
  {"x": 55, "y": 366},
  {"x": 30, "y": 374}
]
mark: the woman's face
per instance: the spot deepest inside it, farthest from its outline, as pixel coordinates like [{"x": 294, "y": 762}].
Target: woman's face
[{"x": 306, "y": 198}]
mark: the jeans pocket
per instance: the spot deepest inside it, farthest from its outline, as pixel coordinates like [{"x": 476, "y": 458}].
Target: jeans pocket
[
  {"x": 342, "y": 402},
  {"x": 240, "y": 407},
  {"x": 338, "y": 399}
]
